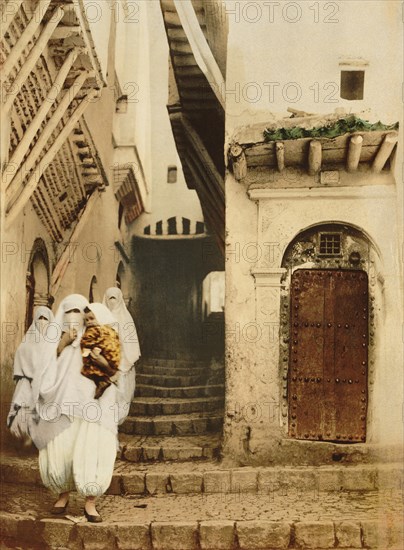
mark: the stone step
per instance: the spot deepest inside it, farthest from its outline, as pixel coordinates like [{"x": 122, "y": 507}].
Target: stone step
[
  {"x": 179, "y": 391},
  {"x": 170, "y": 381},
  {"x": 212, "y": 477},
  {"x": 152, "y": 449},
  {"x": 193, "y": 423},
  {"x": 207, "y": 522},
  {"x": 149, "y": 406},
  {"x": 183, "y": 363},
  {"x": 171, "y": 371}
]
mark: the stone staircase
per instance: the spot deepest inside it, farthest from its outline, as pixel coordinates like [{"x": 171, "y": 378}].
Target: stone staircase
[
  {"x": 208, "y": 506},
  {"x": 177, "y": 412}
]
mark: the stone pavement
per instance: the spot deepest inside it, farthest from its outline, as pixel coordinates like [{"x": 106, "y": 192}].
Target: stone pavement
[{"x": 203, "y": 505}]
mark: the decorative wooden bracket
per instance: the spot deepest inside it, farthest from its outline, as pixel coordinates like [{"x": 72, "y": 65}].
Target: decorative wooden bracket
[
  {"x": 354, "y": 153},
  {"x": 238, "y": 161},
  {"x": 384, "y": 152},
  {"x": 315, "y": 155}
]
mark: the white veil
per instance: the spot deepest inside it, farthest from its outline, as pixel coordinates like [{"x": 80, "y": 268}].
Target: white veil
[{"x": 113, "y": 299}]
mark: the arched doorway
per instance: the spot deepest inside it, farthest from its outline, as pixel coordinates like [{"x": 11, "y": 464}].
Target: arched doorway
[
  {"x": 121, "y": 281},
  {"x": 328, "y": 332},
  {"x": 213, "y": 291},
  {"x": 93, "y": 294},
  {"x": 37, "y": 281}
]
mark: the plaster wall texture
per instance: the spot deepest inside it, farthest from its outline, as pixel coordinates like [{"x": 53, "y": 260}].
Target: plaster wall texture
[
  {"x": 168, "y": 199},
  {"x": 284, "y": 55}
]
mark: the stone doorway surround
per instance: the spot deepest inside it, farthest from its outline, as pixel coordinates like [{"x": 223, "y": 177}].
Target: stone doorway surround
[{"x": 283, "y": 213}]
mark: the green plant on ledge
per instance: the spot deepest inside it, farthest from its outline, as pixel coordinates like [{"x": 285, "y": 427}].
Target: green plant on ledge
[{"x": 334, "y": 129}]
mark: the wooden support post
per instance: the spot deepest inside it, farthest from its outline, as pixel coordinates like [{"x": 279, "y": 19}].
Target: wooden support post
[
  {"x": 33, "y": 57},
  {"x": 15, "y": 207},
  {"x": 384, "y": 151},
  {"x": 26, "y": 36},
  {"x": 239, "y": 162},
  {"x": 314, "y": 157},
  {"x": 43, "y": 138},
  {"x": 40, "y": 116},
  {"x": 67, "y": 254},
  {"x": 354, "y": 153},
  {"x": 7, "y": 15},
  {"x": 280, "y": 155}
]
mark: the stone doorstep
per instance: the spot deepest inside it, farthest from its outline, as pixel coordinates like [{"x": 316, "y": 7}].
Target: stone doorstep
[
  {"x": 197, "y": 535},
  {"x": 209, "y": 478}
]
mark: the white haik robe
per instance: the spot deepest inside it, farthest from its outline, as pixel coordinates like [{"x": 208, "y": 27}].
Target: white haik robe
[
  {"x": 82, "y": 456},
  {"x": 130, "y": 349}
]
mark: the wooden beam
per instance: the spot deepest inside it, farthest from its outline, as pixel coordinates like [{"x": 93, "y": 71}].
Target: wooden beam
[
  {"x": 384, "y": 152},
  {"x": 280, "y": 155},
  {"x": 41, "y": 114},
  {"x": 33, "y": 57},
  {"x": 25, "y": 37},
  {"x": 239, "y": 162},
  {"x": 354, "y": 153},
  {"x": 314, "y": 157},
  {"x": 45, "y": 135},
  {"x": 7, "y": 15},
  {"x": 68, "y": 253},
  {"x": 14, "y": 208}
]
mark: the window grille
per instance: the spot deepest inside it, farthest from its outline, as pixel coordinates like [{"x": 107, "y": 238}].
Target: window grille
[{"x": 330, "y": 244}]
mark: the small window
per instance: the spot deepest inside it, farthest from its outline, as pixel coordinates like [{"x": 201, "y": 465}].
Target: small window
[
  {"x": 172, "y": 174},
  {"x": 352, "y": 84},
  {"x": 330, "y": 244}
]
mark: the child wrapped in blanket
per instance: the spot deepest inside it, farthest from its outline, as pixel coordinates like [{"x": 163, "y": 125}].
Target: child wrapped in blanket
[{"x": 100, "y": 348}]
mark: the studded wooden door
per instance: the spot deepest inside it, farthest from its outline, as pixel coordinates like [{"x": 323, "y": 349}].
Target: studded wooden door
[{"x": 327, "y": 388}]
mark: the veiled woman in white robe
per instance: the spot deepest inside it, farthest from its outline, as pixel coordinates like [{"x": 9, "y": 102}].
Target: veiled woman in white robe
[
  {"x": 130, "y": 349},
  {"x": 82, "y": 456},
  {"x": 35, "y": 353}
]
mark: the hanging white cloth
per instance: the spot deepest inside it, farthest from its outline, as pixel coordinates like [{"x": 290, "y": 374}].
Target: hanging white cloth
[{"x": 36, "y": 352}]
